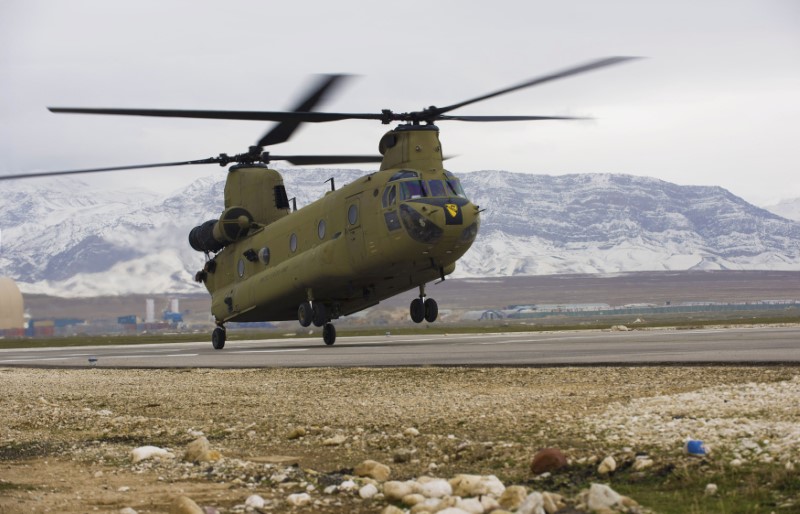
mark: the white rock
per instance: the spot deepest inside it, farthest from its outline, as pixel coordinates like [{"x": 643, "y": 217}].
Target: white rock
[
  {"x": 489, "y": 503},
  {"x": 335, "y": 440},
  {"x": 413, "y": 499},
  {"x": 395, "y": 490},
  {"x": 298, "y": 499},
  {"x": 368, "y": 491},
  {"x": 736, "y": 463},
  {"x": 255, "y": 502},
  {"x": 436, "y": 488},
  {"x": 348, "y": 485},
  {"x": 149, "y": 452},
  {"x": 642, "y": 463},
  {"x": 185, "y": 505},
  {"x": 602, "y": 497},
  {"x": 429, "y": 505},
  {"x": 411, "y": 432},
  {"x": 533, "y": 504},
  {"x": 711, "y": 489},
  {"x": 123, "y": 489},
  {"x": 453, "y": 510},
  {"x": 551, "y": 502},
  {"x": 607, "y": 466},
  {"x": 477, "y": 485},
  {"x": 471, "y": 505},
  {"x": 330, "y": 489},
  {"x": 127, "y": 510},
  {"x": 373, "y": 469}
]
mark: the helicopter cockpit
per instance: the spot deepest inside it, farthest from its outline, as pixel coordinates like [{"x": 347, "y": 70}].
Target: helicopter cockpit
[{"x": 406, "y": 185}]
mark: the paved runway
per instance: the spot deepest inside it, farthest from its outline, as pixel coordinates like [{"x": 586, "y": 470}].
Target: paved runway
[{"x": 740, "y": 345}]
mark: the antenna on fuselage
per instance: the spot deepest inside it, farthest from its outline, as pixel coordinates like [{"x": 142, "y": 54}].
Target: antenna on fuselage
[{"x": 333, "y": 184}]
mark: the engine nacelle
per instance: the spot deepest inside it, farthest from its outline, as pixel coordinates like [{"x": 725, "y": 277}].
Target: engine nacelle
[{"x": 214, "y": 235}]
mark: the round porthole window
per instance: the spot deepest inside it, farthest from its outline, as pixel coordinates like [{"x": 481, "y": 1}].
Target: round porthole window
[
  {"x": 293, "y": 243},
  {"x": 352, "y": 214},
  {"x": 321, "y": 229},
  {"x": 240, "y": 267},
  {"x": 263, "y": 256}
]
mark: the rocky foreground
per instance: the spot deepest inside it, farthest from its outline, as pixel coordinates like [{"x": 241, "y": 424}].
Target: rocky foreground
[{"x": 447, "y": 440}]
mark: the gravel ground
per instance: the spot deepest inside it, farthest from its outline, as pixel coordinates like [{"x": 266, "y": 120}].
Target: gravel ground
[{"x": 292, "y": 440}]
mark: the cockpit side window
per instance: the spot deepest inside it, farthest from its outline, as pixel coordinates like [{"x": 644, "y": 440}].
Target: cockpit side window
[
  {"x": 411, "y": 189},
  {"x": 389, "y": 196},
  {"x": 436, "y": 188}
]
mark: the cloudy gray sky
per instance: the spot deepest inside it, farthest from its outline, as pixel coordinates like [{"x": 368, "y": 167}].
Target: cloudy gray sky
[{"x": 716, "y": 102}]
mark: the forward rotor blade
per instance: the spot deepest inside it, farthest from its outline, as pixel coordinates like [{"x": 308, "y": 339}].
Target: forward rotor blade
[
  {"x": 509, "y": 118},
  {"x": 302, "y": 160},
  {"x": 283, "y": 131},
  {"x": 539, "y": 80},
  {"x": 211, "y": 160}
]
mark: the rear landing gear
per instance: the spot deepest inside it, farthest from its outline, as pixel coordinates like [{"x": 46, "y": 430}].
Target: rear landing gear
[
  {"x": 423, "y": 309},
  {"x": 218, "y": 338},
  {"x": 305, "y": 314},
  {"x": 315, "y": 312}
]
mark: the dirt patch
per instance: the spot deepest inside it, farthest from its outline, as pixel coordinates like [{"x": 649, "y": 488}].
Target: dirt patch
[{"x": 66, "y": 435}]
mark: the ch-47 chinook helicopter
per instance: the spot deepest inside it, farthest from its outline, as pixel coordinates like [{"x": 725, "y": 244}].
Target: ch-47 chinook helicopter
[{"x": 385, "y": 233}]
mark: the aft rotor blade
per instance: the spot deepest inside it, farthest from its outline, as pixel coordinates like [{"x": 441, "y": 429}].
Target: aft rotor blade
[
  {"x": 609, "y": 61},
  {"x": 302, "y": 160},
  {"x": 284, "y": 130},
  {"x": 309, "y": 117},
  {"x": 509, "y": 118},
  {"x": 211, "y": 160}
]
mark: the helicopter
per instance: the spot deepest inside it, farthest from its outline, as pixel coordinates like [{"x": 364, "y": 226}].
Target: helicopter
[{"x": 390, "y": 231}]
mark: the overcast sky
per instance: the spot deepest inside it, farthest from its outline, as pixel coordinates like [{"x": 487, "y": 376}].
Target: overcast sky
[{"x": 716, "y": 102}]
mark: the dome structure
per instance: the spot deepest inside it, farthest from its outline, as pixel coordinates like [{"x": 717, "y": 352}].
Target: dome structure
[{"x": 11, "y": 306}]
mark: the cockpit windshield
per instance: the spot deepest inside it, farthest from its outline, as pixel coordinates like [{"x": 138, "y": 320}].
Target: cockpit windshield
[
  {"x": 449, "y": 187},
  {"x": 410, "y": 189},
  {"x": 406, "y": 185}
]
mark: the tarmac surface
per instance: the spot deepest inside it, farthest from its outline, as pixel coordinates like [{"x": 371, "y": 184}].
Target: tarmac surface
[{"x": 751, "y": 345}]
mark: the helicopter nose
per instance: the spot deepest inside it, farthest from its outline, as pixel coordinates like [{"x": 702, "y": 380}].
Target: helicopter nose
[
  {"x": 447, "y": 224},
  {"x": 462, "y": 221}
]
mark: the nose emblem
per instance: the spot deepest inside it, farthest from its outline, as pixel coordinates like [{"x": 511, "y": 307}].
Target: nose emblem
[{"x": 453, "y": 216}]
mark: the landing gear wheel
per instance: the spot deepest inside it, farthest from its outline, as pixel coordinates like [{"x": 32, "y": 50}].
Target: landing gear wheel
[
  {"x": 417, "y": 310},
  {"x": 305, "y": 314},
  {"x": 329, "y": 334},
  {"x": 320, "y": 314},
  {"x": 218, "y": 338},
  {"x": 431, "y": 310}
]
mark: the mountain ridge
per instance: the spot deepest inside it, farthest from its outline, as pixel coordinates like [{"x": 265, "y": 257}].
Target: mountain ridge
[{"x": 61, "y": 238}]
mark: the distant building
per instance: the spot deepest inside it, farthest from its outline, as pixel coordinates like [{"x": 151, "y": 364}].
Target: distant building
[{"x": 12, "y": 310}]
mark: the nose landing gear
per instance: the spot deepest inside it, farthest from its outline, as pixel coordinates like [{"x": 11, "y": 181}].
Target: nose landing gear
[{"x": 423, "y": 309}]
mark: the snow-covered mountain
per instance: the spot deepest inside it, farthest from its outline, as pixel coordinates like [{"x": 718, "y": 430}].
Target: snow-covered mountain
[
  {"x": 61, "y": 237},
  {"x": 789, "y": 209}
]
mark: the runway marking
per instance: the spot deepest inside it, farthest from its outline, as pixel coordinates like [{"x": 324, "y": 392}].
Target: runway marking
[
  {"x": 270, "y": 351},
  {"x": 147, "y": 356},
  {"x": 512, "y": 341}
]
